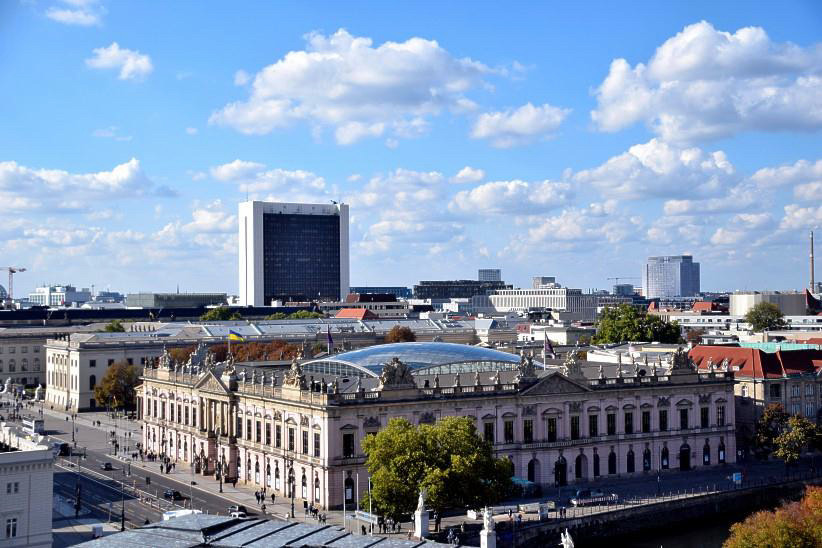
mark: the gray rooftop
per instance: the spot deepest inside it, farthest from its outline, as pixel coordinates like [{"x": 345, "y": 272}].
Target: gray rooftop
[{"x": 205, "y": 530}]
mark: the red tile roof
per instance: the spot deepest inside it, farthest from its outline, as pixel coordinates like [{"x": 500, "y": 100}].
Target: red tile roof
[
  {"x": 356, "y": 313},
  {"x": 755, "y": 363}
]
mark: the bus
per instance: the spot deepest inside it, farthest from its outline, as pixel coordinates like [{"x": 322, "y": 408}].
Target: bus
[
  {"x": 172, "y": 514},
  {"x": 34, "y": 426}
]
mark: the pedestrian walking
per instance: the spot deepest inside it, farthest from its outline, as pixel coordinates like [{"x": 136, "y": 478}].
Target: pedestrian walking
[
  {"x": 363, "y": 530},
  {"x": 272, "y": 498},
  {"x": 262, "y": 508}
]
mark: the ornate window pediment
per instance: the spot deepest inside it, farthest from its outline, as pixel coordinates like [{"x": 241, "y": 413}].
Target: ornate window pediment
[
  {"x": 552, "y": 411},
  {"x": 488, "y": 417},
  {"x": 349, "y": 427},
  {"x": 594, "y": 409},
  {"x": 611, "y": 408},
  {"x": 629, "y": 406},
  {"x": 371, "y": 422},
  {"x": 509, "y": 415},
  {"x": 529, "y": 410},
  {"x": 684, "y": 403},
  {"x": 663, "y": 402},
  {"x": 645, "y": 405}
]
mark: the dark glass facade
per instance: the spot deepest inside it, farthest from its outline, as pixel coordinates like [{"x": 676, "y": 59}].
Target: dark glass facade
[{"x": 301, "y": 256}]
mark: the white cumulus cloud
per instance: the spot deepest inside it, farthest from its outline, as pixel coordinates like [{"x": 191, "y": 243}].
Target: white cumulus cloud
[
  {"x": 468, "y": 174},
  {"x": 84, "y": 13},
  {"x": 518, "y": 126},
  {"x": 132, "y": 65},
  {"x": 512, "y": 197},
  {"x": 705, "y": 83},
  {"x": 358, "y": 89}
]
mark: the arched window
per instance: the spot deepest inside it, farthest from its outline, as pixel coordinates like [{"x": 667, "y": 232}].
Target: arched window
[
  {"x": 304, "y": 487},
  {"x": 277, "y": 476},
  {"x": 24, "y": 364},
  {"x": 248, "y": 469},
  {"x": 629, "y": 464},
  {"x": 316, "y": 489},
  {"x": 646, "y": 460},
  {"x": 37, "y": 364},
  {"x": 721, "y": 452},
  {"x": 664, "y": 459},
  {"x": 256, "y": 470},
  {"x": 612, "y": 462},
  {"x": 12, "y": 366},
  {"x": 596, "y": 465},
  {"x": 92, "y": 382},
  {"x": 349, "y": 490},
  {"x": 706, "y": 454},
  {"x": 1, "y": 366}
]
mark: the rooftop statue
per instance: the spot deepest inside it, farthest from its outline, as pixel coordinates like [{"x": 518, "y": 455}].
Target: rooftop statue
[
  {"x": 396, "y": 373},
  {"x": 681, "y": 360},
  {"x": 295, "y": 377}
]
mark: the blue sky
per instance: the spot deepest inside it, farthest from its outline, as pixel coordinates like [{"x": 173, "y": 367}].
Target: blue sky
[{"x": 540, "y": 138}]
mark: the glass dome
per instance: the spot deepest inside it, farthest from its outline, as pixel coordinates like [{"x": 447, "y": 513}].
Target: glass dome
[{"x": 424, "y": 358}]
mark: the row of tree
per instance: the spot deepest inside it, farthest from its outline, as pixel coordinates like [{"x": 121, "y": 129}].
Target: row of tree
[
  {"x": 785, "y": 436},
  {"x": 794, "y": 525}
]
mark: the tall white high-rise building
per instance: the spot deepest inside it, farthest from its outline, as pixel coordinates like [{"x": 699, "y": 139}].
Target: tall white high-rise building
[
  {"x": 293, "y": 251},
  {"x": 670, "y": 276}
]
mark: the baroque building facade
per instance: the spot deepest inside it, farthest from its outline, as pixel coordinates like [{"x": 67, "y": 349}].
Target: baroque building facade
[{"x": 302, "y": 435}]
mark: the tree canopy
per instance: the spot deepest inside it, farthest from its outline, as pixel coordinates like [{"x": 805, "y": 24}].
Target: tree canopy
[
  {"x": 399, "y": 334},
  {"x": 765, "y": 316},
  {"x": 772, "y": 422},
  {"x": 298, "y": 315},
  {"x": 114, "y": 326},
  {"x": 220, "y": 314},
  {"x": 799, "y": 434},
  {"x": 448, "y": 459},
  {"x": 117, "y": 386},
  {"x": 625, "y": 323},
  {"x": 795, "y": 525}
]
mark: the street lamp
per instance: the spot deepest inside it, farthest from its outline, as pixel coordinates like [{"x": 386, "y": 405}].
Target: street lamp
[{"x": 220, "y": 460}]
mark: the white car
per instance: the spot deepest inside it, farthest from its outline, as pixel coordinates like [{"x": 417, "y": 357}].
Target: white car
[{"x": 239, "y": 515}]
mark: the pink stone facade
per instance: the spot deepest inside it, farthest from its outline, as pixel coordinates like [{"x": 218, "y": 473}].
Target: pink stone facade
[{"x": 555, "y": 430}]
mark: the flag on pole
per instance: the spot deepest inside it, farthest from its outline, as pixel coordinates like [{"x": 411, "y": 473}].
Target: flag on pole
[
  {"x": 547, "y": 347},
  {"x": 234, "y": 336},
  {"x": 330, "y": 340}
]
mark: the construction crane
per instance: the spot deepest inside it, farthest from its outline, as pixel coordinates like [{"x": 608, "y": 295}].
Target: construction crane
[
  {"x": 617, "y": 278},
  {"x": 12, "y": 271}
]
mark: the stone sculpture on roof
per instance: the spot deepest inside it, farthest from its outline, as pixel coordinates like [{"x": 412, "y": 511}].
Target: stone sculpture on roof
[
  {"x": 396, "y": 373},
  {"x": 295, "y": 377},
  {"x": 682, "y": 362},
  {"x": 165, "y": 359}
]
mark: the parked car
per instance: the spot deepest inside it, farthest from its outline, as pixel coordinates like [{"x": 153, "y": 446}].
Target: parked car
[
  {"x": 173, "y": 495},
  {"x": 106, "y": 466},
  {"x": 593, "y": 496},
  {"x": 237, "y": 508},
  {"x": 239, "y": 515}
]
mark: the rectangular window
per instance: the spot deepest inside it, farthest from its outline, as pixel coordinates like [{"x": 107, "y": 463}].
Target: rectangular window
[
  {"x": 683, "y": 419},
  {"x": 809, "y": 410},
  {"x": 348, "y": 445},
  {"x": 258, "y": 436},
  {"x": 704, "y": 417},
  {"x": 488, "y": 432},
  {"x": 316, "y": 444},
  {"x": 110, "y": 361},
  {"x": 267, "y": 434},
  {"x": 92, "y": 363},
  {"x": 171, "y": 412},
  {"x": 809, "y": 389},
  {"x": 509, "y": 431},
  {"x": 775, "y": 391},
  {"x": 663, "y": 420},
  {"x": 611, "y": 423},
  {"x": 239, "y": 427},
  {"x": 575, "y": 427},
  {"x": 795, "y": 408},
  {"x": 11, "y": 527},
  {"x": 305, "y": 442},
  {"x": 248, "y": 429},
  {"x": 528, "y": 430},
  {"x": 130, "y": 361},
  {"x": 8, "y": 488},
  {"x": 720, "y": 415},
  {"x": 795, "y": 391},
  {"x": 629, "y": 422},
  {"x": 593, "y": 426},
  {"x": 16, "y": 487},
  {"x": 185, "y": 416},
  {"x": 291, "y": 440},
  {"x": 552, "y": 429},
  {"x": 278, "y": 436},
  {"x": 193, "y": 416},
  {"x": 646, "y": 422}
]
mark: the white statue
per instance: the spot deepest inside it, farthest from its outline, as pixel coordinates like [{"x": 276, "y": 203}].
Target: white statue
[
  {"x": 488, "y": 522},
  {"x": 421, "y": 500},
  {"x": 565, "y": 540}
]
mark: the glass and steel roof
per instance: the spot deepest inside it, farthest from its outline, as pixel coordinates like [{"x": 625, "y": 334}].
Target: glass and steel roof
[{"x": 422, "y": 357}]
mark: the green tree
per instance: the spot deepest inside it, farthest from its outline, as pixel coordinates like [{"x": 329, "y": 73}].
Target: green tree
[
  {"x": 448, "y": 459},
  {"x": 276, "y": 316},
  {"x": 305, "y": 315},
  {"x": 114, "y": 326},
  {"x": 794, "y": 525},
  {"x": 220, "y": 314},
  {"x": 625, "y": 323},
  {"x": 117, "y": 386},
  {"x": 400, "y": 334},
  {"x": 772, "y": 422},
  {"x": 799, "y": 434},
  {"x": 765, "y": 316}
]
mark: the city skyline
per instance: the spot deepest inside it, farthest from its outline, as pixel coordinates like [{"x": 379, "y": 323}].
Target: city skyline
[{"x": 540, "y": 140}]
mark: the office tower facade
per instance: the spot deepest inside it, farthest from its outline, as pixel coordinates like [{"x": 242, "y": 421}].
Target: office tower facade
[
  {"x": 292, "y": 252},
  {"x": 544, "y": 282},
  {"x": 489, "y": 275},
  {"x": 670, "y": 276}
]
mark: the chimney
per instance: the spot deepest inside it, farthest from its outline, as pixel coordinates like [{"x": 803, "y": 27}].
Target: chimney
[{"x": 813, "y": 285}]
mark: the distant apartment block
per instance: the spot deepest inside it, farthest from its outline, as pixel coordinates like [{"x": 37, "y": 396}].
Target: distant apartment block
[
  {"x": 398, "y": 291},
  {"x": 790, "y": 303},
  {"x": 544, "y": 282},
  {"x": 489, "y": 275},
  {"x": 174, "y": 300},
  {"x": 59, "y": 295},
  {"x": 455, "y": 289},
  {"x": 292, "y": 252},
  {"x": 670, "y": 276}
]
